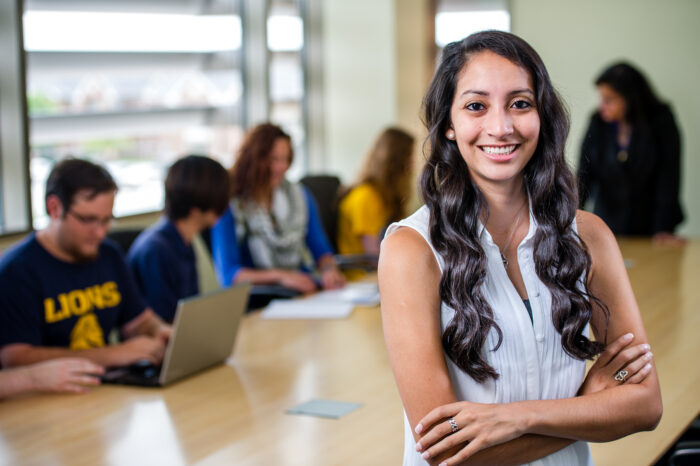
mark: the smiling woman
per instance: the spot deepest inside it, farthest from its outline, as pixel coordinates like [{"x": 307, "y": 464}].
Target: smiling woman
[
  {"x": 494, "y": 119},
  {"x": 489, "y": 290}
]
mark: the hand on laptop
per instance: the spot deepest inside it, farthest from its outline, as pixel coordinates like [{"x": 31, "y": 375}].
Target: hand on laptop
[
  {"x": 142, "y": 347},
  {"x": 164, "y": 332},
  {"x": 332, "y": 278}
]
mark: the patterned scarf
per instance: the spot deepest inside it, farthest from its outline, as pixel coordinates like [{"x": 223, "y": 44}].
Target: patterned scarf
[{"x": 275, "y": 238}]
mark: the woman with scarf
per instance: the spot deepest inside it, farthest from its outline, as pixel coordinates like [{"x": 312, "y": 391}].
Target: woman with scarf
[{"x": 271, "y": 233}]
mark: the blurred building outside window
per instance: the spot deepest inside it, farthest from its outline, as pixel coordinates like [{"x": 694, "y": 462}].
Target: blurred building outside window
[
  {"x": 285, "y": 44},
  {"x": 134, "y": 85}
]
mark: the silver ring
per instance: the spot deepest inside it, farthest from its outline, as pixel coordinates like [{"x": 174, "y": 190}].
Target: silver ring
[
  {"x": 453, "y": 424},
  {"x": 621, "y": 375}
]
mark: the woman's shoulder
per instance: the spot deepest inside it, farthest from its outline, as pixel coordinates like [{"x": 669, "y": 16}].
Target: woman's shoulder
[
  {"x": 594, "y": 232},
  {"x": 289, "y": 188},
  {"x": 362, "y": 198},
  {"x": 411, "y": 237},
  {"x": 663, "y": 116},
  {"x": 595, "y": 119},
  {"x": 596, "y": 127},
  {"x": 405, "y": 247},
  {"x": 364, "y": 191},
  {"x": 418, "y": 220}
]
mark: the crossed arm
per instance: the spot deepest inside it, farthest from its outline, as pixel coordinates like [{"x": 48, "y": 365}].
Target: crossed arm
[
  {"x": 146, "y": 337},
  {"x": 513, "y": 433}
]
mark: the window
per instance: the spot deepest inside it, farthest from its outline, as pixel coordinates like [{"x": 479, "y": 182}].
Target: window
[
  {"x": 456, "y": 19},
  {"x": 14, "y": 200},
  {"x": 133, "y": 86},
  {"x": 285, "y": 44}
]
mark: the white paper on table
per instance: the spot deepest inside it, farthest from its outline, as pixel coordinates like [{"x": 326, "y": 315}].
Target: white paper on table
[
  {"x": 358, "y": 293},
  {"x": 306, "y": 309}
]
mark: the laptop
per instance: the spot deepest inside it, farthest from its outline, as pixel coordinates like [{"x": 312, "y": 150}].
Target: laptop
[{"x": 204, "y": 334}]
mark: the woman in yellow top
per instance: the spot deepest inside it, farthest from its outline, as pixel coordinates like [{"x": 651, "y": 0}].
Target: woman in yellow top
[{"x": 380, "y": 194}]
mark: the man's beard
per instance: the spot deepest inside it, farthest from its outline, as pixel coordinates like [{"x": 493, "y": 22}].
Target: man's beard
[{"x": 78, "y": 256}]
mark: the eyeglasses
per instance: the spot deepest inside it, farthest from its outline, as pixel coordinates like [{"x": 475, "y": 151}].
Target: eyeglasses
[{"x": 90, "y": 221}]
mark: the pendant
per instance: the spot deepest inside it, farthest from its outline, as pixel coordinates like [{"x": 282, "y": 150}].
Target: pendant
[
  {"x": 505, "y": 261},
  {"x": 622, "y": 156}
]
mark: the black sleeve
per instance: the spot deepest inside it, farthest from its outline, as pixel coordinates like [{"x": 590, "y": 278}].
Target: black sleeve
[
  {"x": 21, "y": 308},
  {"x": 667, "y": 208},
  {"x": 586, "y": 175}
]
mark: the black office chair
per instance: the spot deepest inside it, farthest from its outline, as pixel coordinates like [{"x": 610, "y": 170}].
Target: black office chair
[
  {"x": 124, "y": 237},
  {"x": 326, "y": 190},
  {"x": 685, "y": 454},
  {"x": 686, "y": 451}
]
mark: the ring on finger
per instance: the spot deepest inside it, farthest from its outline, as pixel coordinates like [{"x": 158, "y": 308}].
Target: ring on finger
[
  {"x": 621, "y": 375},
  {"x": 453, "y": 424}
]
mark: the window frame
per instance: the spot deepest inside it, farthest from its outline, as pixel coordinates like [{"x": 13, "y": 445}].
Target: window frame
[
  {"x": 255, "y": 104},
  {"x": 15, "y": 201}
]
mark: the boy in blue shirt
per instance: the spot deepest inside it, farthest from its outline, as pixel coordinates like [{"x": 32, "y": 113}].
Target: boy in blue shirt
[
  {"x": 65, "y": 288},
  {"x": 162, "y": 258}
]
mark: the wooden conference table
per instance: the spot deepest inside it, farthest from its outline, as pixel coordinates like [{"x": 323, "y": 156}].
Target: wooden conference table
[{"x": 234, "y": 414}]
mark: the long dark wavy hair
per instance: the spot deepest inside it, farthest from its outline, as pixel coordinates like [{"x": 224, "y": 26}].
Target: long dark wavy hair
[{"x": 456, "y": 204}]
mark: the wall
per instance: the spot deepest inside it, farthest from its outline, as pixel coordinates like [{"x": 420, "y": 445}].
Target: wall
[
  {"x": 415, "y": 61},
  {"x": 578, "y": 39},
  {"x": 415, "y": 57},
  {"x": 359, "y": 79},
  {"x": 376, "y": 68}
]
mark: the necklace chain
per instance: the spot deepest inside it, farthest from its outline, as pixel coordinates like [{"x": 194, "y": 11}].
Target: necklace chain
[{"x": 510, "y": 238}]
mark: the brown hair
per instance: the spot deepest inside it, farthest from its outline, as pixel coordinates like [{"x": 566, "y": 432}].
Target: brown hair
[
  {"x": 71, "y": 175},
  {"x": 250, "y": 174},
  {"x": 387, "y": 168}
]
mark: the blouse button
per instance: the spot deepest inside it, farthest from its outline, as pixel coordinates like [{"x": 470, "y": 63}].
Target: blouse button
[{"x": 539, "y": 337}]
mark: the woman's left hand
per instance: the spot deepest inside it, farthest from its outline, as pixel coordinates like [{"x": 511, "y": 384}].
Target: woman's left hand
[
  {"x": 478, "y": 425},
  {"x": 668, "y": 239},
  {"x": 332, "y": 278}
]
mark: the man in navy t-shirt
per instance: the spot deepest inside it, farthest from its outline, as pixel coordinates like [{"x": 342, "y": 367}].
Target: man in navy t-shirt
[
  {"x": 162, "y": 258},
  {"x": 65, "y": 288}
]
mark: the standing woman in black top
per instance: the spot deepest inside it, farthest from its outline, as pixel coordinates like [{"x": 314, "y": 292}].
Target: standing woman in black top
[{"x": 630, "y": 158}]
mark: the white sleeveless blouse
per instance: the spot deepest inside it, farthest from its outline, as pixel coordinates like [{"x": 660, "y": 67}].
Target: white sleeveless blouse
[{"x": 531, "y": 361}]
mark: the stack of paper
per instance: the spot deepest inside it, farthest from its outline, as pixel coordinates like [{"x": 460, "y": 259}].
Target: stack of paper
[
  {"x": 359, "y": 293},
  {"x": 306, "y": 309},
  {"x": 331, "y": 304}
]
